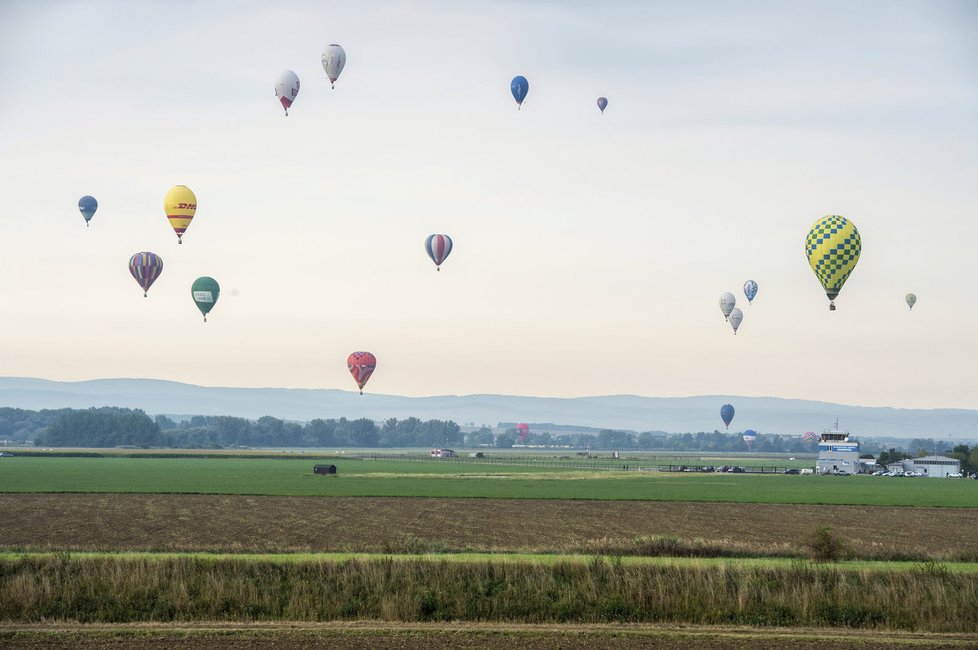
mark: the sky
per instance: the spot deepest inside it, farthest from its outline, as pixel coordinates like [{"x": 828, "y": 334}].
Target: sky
[{"x": 590, "y": 250}]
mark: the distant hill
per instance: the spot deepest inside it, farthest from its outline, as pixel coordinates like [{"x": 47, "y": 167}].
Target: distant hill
[{"x": 628, "y": 412}]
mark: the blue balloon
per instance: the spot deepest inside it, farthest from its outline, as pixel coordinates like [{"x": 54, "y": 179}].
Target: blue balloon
[
  {"x": 750, "y": 290},
  {"x": 726, "y": 414},
  {"x": 87, "y": 205},
  {"x": 519, "y": 87},
  {"x": 602, "y": 103}
]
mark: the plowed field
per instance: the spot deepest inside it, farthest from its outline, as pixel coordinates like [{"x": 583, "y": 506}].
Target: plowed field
[{"x": 118, "y": 522}]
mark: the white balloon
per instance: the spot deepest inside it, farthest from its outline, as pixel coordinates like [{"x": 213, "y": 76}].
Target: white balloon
[
  {"x": 736, "y": 316},
  {"x": 727, "y": 302},
  {"x": 334, "y": 58},
  {"x": 287, "y": 88}
]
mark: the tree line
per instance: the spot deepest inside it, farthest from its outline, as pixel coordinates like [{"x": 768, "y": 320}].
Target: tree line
[{"x": 121, "y": 427}]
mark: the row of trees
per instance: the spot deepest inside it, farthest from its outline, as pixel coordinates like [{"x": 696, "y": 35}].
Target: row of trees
[
  {"x": 227, "y": 431},
  {"x": 655, "y": 441},
  {"x": 21, "y": 425},
  {"x": 114, "y": 427}
]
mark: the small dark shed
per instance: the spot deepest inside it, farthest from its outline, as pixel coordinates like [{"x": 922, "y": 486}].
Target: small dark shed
[{"x": 324, "y": 469}]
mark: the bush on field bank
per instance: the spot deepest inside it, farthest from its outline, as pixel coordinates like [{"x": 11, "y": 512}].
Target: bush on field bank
[{"x": 826, "y": 546}]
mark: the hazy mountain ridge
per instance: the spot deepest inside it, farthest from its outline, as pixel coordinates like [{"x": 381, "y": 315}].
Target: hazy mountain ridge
[{"x": 631, "y": 412}]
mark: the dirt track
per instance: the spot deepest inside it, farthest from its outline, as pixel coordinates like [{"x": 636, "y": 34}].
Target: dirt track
[{"x": 506, "y": 637}]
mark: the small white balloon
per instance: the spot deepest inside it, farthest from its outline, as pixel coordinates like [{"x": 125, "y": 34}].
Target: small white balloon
[
  {"x": 287, "y": 88},
  {"x": 727, "y": 303},
  {"x": 334, "y": 59},
  {"x": 736, "y": 317}
]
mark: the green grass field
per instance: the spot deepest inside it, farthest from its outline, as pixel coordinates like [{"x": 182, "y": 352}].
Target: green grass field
[{"x": 390, "y": 478}]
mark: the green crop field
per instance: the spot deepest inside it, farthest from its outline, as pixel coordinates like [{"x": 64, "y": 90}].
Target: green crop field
[{"x": 392, "y": 478}]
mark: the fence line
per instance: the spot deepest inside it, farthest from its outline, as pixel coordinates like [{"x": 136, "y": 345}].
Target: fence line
[{"x": 647, "y": 464}]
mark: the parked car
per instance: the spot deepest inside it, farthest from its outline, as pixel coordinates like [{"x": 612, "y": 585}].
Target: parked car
[
  {"x": 842, "y": 472},
  {"x": 792, "y": 470},
  {"x": 807, "y": 472},
  {"x": 954, "y": 475}
]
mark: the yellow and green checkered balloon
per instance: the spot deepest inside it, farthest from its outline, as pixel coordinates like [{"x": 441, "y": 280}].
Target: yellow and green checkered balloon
[{"x": 833, "y": 246}]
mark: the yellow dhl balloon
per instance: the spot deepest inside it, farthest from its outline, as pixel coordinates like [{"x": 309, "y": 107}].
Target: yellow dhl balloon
[
  {"x": 833, "y": 246},
  {"x": 180, "y": 205}
]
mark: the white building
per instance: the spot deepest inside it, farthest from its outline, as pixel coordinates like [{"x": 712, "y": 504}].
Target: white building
[
  {"x": 937, "y": 466},
  {"x": 837, "y": 453}
]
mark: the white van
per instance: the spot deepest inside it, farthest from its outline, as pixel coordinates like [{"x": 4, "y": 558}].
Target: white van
[{"x": 808, "y": 471}]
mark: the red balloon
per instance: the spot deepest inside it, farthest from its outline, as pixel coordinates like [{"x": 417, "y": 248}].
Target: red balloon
[
  {"x": 524, "y": 430},
  {"x": 361, "y": 365}
]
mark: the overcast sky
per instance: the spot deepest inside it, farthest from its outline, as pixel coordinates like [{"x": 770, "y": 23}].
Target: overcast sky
[{"x": 590, "y": 250}]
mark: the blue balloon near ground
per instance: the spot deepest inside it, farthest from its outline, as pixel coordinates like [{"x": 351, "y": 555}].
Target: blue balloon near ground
[
  {"x": 602, "y": 103},
  {"x": 87, "y": 205},
  {"x": 519, "y": 87},
  {"x": 727, "y": 414}
]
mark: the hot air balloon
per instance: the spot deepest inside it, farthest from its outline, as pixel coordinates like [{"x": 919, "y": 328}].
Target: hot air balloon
[
  {"x": 727, "y": 303},
  {"x": 438, "y": 247},
  {"x": 519, "y": 86},
  {"x": 833, "y": 245},
  {"x": 361, "y": 365},
  {"x": 602, "y": 104},
  {"x": 180, "y": 205},
  {"x": 736, "y": 316},
  {"x": 286, "y": 89},
  {"x": 87, "y": 205},
  {"x": 809, "y": 436},
  {"x": 749, "y": 437},
  {"x": 145, "y": 267},
  {"x": 727, "y": 414},
  {"x": 205, "y": 292},
  {"x": 911, "y": 299},
  {"x": 334, "y": 59},
  {"x": 750, "y": 290},
  {"x": 524, "y": 430}
]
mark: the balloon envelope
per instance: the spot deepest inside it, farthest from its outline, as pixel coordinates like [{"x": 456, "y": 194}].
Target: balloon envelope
[
  {"x": 287, "y": 89},
  {"x": 438, "y": 248},
  {"x": 523, "y": 429},
  {"x": 87, "y": 205},
  {"x": 602, "y": 103},
  {"x": 727, "y": 303},
  {"x": 749, "y": 437},
  {"x": 361, "y": 365},
  {"x": 145, "y": 267},
  {"x": 334, "y": 60},
  {"x": 727, "y": 414},
  {"x": 911, "y": 300},
  {"x": 180, "y": 205},
  {"x": 833, "y": 246},
  {"x": 750, "y": 290},
  {"x": 205, "y": 292},
  {"x": 519, "y": 86},
  {"x": 736, "y": 317}
]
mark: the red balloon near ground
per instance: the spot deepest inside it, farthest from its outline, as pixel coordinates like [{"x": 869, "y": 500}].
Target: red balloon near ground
[
  {"x": 523, "y": 429},
  {"x": 361, "y": 365}
]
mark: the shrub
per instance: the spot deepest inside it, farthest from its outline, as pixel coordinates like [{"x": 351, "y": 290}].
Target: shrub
[{"x": 825, "y": 545}]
